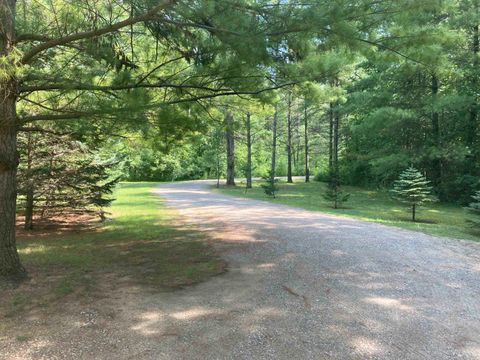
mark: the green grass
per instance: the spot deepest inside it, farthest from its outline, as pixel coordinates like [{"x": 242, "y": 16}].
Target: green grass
[
  {"x": 138, "y": 245},
  {"x": 372, "y": 205}
]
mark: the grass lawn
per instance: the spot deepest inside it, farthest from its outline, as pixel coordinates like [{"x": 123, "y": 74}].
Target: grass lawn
[
  {"x": 139, "y": 245},
  {"x": 372, "y": 205}
]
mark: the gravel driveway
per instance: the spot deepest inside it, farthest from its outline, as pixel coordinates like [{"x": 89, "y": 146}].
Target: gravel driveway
[
  {"x": 304, "y": 285},
  {"x": 300, "y": 285}
]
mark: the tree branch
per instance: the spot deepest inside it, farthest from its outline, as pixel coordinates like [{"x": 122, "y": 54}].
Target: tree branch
[
  {"x": 50, "y": 87},
  {"x": 149, "y": 15},
  {"x": 79, "y": 115}
]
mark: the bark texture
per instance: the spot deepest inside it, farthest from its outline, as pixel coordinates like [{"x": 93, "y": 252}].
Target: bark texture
[
  {"x": 307, "y": 155},
  {"x": 330, "y": 138},
  {"x": 10, "y": 265},
  {"x": 436, "y": 161},
  {"x": 230, "y": 148},
  {"x": 249, "y": 152},
  {"x": 289, "y": 139},
  {"x": 274, "y": 143}
]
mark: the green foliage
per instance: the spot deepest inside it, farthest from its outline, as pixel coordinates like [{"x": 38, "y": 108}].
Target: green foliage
[
  {"x": 333, "y": 192},
  {"x": 270, "y": 186},
  {"x": 412, "y": 188},
  {"x": 62, "y": 174},
  {"x": 474, "y": 211}
]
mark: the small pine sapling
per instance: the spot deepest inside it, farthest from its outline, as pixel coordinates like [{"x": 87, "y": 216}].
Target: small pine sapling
[
  {"x": 270, "y": 186},
  {"x": 474, "y": 212},
  {"x": 334, "y": 194},
  {"x": 412, "y": 188}
]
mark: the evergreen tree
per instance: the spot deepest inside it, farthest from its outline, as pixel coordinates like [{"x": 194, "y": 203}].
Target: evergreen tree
[
  {"x": 412, "y": 188},
  {"x": 270, "y": 187},
  {"x": 59, "y": 175},
  {"x": 334, "y": 194},
  {"x": 474, "y": 210}
]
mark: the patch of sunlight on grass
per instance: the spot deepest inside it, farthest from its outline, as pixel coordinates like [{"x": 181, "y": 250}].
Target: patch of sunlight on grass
[{"x": 33, "y": 249}]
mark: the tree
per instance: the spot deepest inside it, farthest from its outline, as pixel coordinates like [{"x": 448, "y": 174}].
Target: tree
[
  {"x": 270, "y": 186},
  {"x": 474, "y": 210},
  {"x": 412, "y": 188},
  {"x": 333, "y": 193},
  {"x": 61, "y": 174}
]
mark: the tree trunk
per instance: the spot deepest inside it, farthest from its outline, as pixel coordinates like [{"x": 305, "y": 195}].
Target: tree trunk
[
  {"x": 274, "y": 143},
  {"x": 436, "y": 162},
  {"x": 249, "y": 153},
  {"x": 472, "y": 128},
  {"x": 29, "y": 210},
  {"x": 307, "y": 158},
  {"x": 330, "y": 138},
  {"x": 230, "y": 148},
  {"x": 336, "y": 125},
  {"x": 28, "y": 225},
  {"x": 289, "y": 139},
  {"x": 413, "y": 212},
  {"x": 10, "y": 265}
]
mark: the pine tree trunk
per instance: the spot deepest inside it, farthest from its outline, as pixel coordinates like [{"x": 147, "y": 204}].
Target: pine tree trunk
[
  {"x": 289, "y": 139},
  {"x": 413, "y": 212},
  {"x": 249, "y": 152},
  {"x": 28, "y": 225},
  {"x": 307, "y": 158},
  {"x": 436, "y": 162},
  {"x": 472, "y": 128},
  {"x": 230, "y": 149},
  {"x": 10, "y": 265},
  {"x": 218, "y": 170},
  {"x": 330, "y": 139},
  {"x": 336, "y": 124},
  {"x": 274, "y": 143},
  {"x": 29, "y": 210}
]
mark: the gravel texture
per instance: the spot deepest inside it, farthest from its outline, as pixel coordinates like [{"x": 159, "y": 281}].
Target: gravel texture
[{"x": 300, "y": 285}]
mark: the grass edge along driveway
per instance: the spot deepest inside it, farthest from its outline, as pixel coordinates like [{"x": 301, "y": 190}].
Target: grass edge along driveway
[{"x": 438, "y": 219}]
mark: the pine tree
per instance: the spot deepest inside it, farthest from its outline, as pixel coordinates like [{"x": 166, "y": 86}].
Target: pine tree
[
  {"x": 412, "y": 188},
  {"x": 474, "y": 210},
  {"x": 334, "y": 194},
  {"x": 270, "y": 187},
  {"x": 61, "y": 175}
]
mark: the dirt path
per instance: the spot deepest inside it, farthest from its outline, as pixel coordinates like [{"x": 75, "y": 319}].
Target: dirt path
[{"x": 300, "y": 285}]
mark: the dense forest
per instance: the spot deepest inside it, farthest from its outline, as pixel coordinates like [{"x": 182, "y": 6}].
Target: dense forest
[{"x": 93, "y": 92}]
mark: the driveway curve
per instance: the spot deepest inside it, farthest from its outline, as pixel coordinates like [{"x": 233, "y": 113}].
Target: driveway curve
[{"x": 306, "y": 285}]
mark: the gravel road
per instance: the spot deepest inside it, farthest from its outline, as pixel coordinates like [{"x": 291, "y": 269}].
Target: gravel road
[
  {"x": 305, "y": 285},
  {"x": 300, "y": 285}
]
